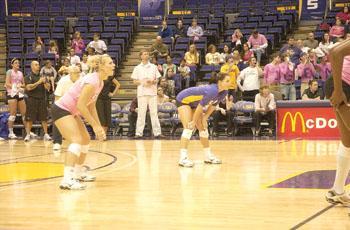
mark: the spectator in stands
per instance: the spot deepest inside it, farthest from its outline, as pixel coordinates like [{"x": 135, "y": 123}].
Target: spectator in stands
[
  {"x": 223, "y": 112},
  {"x": 185, "y": 73},
  {"x": 292, "y": 51},
  {"x": 168, "y": 65},
  {"x": 310, "y": 41},
  {"x": 180, "y": 29},
  {"x": 247, "y": 53},
  {"x": 169, "y": 76},
  {"x": 192, "y": 56},
  {"x": 53, "y": 49},
  {"x": 305, "y": 71},
  {"x": 313, "y": 92},
  {"x": 272, "y": 73},
  {"x": 324, "y": 46},
  {"x": 238, "y": 40},
  {"x": 84, "y": 64},
  {"x": 104, "y": 103},
  {"x": 78, "y": 43},
  {"x": 344, "y": 15},
  {"x": 91, "y": 52},
  {"x": 99, "y": 45},
  {"x": 257, "y": 43},
  {"x": 337, "y": 30},
  {"x": 154, "y": 61},
  {"x": 212, "y": 57},
  {"x": 300, "y": 45},
  {"x": 237, "y": 60},
  {"x": 159, "y": 49},
  {"x": 312, "y": 56},
  {"x": 287, "y": 78},
  {"x": 164, "y": 84},
  {"x": 37, "y": 89},
  {"x": 64, "y": 68},
  {"x": 324, "y": 68},
  {"x": 38, "y": 46},
  {"x": 226, "y": 52},
  {"x": 161, "y": 97},
  {"x": 14, "y": 84},
  {"x": 265, "y": 107},
  {"x": 232, "y": 70},
  {"x": 194, "y": 31},
  {"x": 73, "y": 58},
  {"x": 132, "y": 118},
  {"x": 145, "y": 76},
  {"x": 49, "y": 73},
  {"x": 165, "y": 31},
  {"x": 250, "y": 77}
]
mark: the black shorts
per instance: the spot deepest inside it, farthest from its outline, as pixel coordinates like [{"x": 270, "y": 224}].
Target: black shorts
[
  {"x": 104, "y": 111},
  {"x": 8, "y": 97},
  {"x": 36, "y": 109},
  {"x": 329, "y": 88},
  {"x": 57, "y": 112}
]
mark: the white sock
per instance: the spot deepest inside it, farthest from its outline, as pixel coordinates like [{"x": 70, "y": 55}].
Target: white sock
[
  {"x": 68, "y": 173},
  {"x": 183, "y": 154},
  {"x": 11, "y": 130},
  {"x": 207, "y": 152},
  {"x": 343, "y": 167},
  {"x": 78, "y": 170}
]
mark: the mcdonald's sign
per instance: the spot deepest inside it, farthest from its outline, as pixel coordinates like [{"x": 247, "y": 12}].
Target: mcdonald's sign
[{"x": 293, "y": 122}]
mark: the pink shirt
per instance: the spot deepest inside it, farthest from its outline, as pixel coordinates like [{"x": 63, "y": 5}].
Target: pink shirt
[
  {"x": 16, "y": 78},
  {"x": 343, "y": 16},
  {"x": 271, "y": 74},
  {"x": 247, "y": 55},
  {"x": 69, "y": 100},
  {"x": 78, "y": 45},
  {"x": 324, "y": 70},
  {"x": 337, "y": 31},
  {"x": 306, "y": 72},
  {"x": 346, "y": 70},
  {"x": 286, "y": 73},
  {"x": 257, "y": 42}
]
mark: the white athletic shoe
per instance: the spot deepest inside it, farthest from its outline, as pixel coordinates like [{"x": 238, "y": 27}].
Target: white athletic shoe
[
  {"x": 47, "y": 137},
  {"x": 72, "y": 185},
  {"x": 185, "y": 162},
  {"x": 334, "y": 198},
  {"x": 27, "y": 138},
  {"x": 33, "y": 135},
  {"x": 12, "y": 136},
  {"x": 85, "y": 177},
  {"x": 56, "y": 147},
  {"x": 212, "y": 160}
]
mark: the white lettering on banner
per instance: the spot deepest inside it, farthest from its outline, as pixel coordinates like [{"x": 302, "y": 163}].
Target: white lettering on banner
[
  {"x": 312, "y": 4},
  {"x": 321, "y": 123}
]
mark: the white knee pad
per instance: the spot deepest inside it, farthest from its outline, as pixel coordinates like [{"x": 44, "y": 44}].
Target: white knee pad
[
  {"x": 75, "y": 149},
  {"x": 204, "y": 134},
  {"x": 343, "y": 151},
  {"x": 187, "y": 133},
  {"x": 12, "y": 118},
  {"x": 85, "y": 148}
]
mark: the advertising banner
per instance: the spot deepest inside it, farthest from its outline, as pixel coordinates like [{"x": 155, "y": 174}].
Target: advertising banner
[
  {"x": 312, "y": 9},
  {"x": 151, "y": 12}
]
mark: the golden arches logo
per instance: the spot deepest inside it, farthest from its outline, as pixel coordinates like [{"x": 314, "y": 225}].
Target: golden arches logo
[{"x": 293, "y": 121}]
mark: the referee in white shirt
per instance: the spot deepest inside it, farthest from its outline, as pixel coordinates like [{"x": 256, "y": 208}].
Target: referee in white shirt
[{"x": 145, "y": 76}]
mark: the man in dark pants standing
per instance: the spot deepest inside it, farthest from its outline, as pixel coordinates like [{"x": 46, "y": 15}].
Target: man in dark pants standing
[{"x": 37, "y": 89}]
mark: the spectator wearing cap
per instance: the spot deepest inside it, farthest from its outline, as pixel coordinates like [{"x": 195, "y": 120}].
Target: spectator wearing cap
[{"x": 257, "y": 43}]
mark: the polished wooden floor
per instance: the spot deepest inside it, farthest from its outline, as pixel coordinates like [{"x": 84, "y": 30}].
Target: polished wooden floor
[{"x": 140, "y": 186}]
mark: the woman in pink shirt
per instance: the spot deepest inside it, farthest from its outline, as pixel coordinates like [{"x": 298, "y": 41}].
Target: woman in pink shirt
[
  {"x": 272, "y": 73},
  {"x": 305, "y": 71},
  {"x": 338, "y": 90},
  {"x": 247, "y": 53},
  {"x": 287, "y": 78},
  {"x": 14, "y": 84},
  {"x": 337, "y": 31},
  {"x": 344, "y": 16},
  {"x": 324, "y": 68},
  {"x": 80, "y": 101},
  {"x": 78, "y": 43}
]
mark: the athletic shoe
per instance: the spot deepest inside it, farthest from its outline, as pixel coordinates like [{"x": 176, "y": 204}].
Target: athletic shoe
[
  {"x": 27, "y": 138},
  {"x": 185, "y": 162},
  {"x": 72, "y": 185},
  {"x": 33, "y": 135},
  {"x": 334, "y": 198},
  {"x": 56, "y": 147},
  {"x": 2, "y": 139},
  {"x": 47, "y": 137},
  {"x": 212, "y": 160},
  {"x": 12, "y": 136},
  {"x": 86, "y": 178}
]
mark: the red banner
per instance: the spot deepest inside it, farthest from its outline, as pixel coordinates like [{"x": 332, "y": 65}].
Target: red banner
[{"x": 307, "y": 123}]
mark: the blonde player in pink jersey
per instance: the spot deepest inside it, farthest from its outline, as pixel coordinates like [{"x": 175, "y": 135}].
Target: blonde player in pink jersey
[
  {"x": 338, "y": 90},
  {"x": 80, "y": 101}
]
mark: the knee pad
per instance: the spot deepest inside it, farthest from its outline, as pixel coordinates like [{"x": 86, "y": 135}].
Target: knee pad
[
  {"x": 187, "y": 133},
  {"x": 85, "y": 148},
  {"x": 12, "y": 118},
  {"x": 75, "y": 149},
  {"x": 204, "y": 134}
]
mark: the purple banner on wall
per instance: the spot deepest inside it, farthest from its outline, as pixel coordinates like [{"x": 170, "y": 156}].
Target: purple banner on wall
[
  {"x": 312, "y": 9},
  {"x": 151, "y": 12}
]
